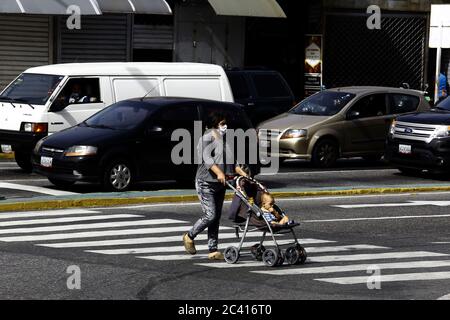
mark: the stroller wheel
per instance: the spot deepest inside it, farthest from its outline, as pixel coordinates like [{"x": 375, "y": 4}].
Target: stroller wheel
[
  {"x": 257, "y": 251},
  {"x": 281, "y": 258},
  {"x": 292, "y": 255},
  {"x": 231, "y": 255},
  {"x": 270, "y": 257},
  {"x": 302, "y": 253}
]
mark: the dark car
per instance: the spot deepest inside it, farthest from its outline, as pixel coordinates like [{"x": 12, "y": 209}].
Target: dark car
[
  {"x": 421, "y": 141},
  {"x": 130, "y": 141},
  {"x": 264, "y": 93}
]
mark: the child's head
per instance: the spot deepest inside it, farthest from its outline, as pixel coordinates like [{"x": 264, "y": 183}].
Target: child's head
[{"x": 267, "y": 200}]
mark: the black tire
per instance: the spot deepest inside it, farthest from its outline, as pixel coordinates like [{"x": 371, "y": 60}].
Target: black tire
[
  {"x": 325, "y": 154},
  {"x": 410, "y": 171},
  {"x": 23, "y": 160},
  {"x": 231, "y": 255},
  {"x": 61, "y": 183},
  {"x": 270, "y": 257},
  {"x": 373, "y": 157},
  {"x": 118, "y": 175},
  {"x": 292, "y": 255},
  {"x": 257, "y": 251},
  {"x": 302, "y": 254},
  {"x": 281, "y": 258}
]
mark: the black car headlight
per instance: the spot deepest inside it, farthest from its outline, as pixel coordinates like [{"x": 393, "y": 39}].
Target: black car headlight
[{"x": 81, "y": 151}]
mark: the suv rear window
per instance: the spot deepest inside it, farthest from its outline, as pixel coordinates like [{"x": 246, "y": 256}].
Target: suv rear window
[
  {"x": 270, "y": 85},
  {"x": 402, "y": 103}
]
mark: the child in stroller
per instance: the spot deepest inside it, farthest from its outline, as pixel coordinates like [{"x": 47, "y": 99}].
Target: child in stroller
[
  {"x": 271, "y": 214},
  {"x": 249, "y": 213}
]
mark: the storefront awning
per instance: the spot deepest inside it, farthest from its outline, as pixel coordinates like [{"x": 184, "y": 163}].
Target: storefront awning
[
  {"x": 87, "y": 7},
  {"x": 135, "y": 6},
  {"x": 248, "y": 8}
]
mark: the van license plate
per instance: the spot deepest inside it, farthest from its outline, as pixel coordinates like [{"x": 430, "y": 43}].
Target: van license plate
[
  {"x": 404, "y": 149},
  {"x": 6, "y": 148},
  {"x": 46, "y": 162}
]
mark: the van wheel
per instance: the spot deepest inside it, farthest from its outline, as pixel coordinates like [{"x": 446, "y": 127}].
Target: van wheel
[
  {"x": 23, "y": 160},
  {"x": 61, "y": 183},
  {"x": 325, "y": 154},
  {"x": 118, "y": 176}
]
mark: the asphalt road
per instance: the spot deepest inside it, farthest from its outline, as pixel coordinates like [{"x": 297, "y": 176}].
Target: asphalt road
[
  {"x": 351, "y": 173},
  {"x": 130, "y": 253}
]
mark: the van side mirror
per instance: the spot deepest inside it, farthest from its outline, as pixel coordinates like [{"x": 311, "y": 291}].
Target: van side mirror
[
  {"x": 57, "y": 106},
  {"x": 353, "y": 115}
]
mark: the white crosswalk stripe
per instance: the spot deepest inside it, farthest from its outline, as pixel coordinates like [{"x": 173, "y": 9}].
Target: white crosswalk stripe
[
  {"x": 120, "y": 242},
  {"x": 50, "y": 213},
  {"x": 180, "y": 248},
  {"x": 96, "y": 234},
  {"x": 357, "y": 267},
  {"x": 224, "y": 246},
  {"x": 62, "y": 220},
  {"x": 94, "y": 225},
  {"x": 159, "y": 240},
  {"x": 419, "y": 276}
]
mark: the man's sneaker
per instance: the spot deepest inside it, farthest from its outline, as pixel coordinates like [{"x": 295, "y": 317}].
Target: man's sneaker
[
  {"x": 216, "y": 256},
  {"x": 189, "y": 244}
]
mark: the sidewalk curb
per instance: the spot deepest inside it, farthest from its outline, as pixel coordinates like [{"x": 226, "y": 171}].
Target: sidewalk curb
[
  {"x": 6, "y": 156},
  {"x": 111, "y": 202}
]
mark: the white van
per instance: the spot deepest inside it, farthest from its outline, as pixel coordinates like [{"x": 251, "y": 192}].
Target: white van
[{"x": 51, "y": 98}]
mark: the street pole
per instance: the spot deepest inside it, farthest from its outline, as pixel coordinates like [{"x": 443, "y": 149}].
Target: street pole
[{"x": 438, "y": 64}]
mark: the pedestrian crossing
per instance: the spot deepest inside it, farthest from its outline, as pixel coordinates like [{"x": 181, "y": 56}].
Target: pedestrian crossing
[{"x": 97, "y": 232}]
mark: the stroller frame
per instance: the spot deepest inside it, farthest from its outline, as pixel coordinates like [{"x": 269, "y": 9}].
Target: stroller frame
[{"x": 295, "y": 254}]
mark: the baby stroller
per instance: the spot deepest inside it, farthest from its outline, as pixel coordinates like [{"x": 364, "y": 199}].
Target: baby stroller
[{"x": 248, "y": 217}]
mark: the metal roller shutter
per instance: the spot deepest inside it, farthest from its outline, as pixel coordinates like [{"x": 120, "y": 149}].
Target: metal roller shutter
[
  {"x": 152, "y": 37},
  {"x": 24, "y": 43},
  {"x": 101, "y": 38}
]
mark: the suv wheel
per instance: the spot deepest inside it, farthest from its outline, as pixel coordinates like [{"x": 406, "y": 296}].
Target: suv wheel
[
  {"x": 118, "y": 176},
  {"x": 325, "y": 154},
  {"x": 23, "y": 160}
]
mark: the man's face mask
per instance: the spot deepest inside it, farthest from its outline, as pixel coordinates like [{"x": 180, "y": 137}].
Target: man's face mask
[{"x": 223, "y": 129}]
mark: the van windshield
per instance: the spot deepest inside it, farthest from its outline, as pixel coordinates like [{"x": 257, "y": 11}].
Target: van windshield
[
  {"x": 326, "y": 103},
  {"x": 125, "y": 115},
  {"x": 31, "y": 88}
]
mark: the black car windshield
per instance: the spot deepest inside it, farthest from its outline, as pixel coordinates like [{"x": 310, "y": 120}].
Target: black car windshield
[
  {"x": 326, "y": 103},
  {"x": 31, "y": 88},
  {"x": 124, "y": 115},
  {"x": 444, "y": 105}
]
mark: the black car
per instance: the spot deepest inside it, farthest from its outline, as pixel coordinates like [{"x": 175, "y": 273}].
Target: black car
[
  {"x": 130, "y": 141},
  {"x": 421, "y": 141},
  {"x": 264, "y": 93}
]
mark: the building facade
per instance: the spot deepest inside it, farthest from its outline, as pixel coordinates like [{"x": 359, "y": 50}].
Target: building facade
[{"x": 352, "y": 54}]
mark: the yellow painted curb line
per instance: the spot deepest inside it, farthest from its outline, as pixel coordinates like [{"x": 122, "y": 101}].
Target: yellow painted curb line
[
  {"x": 111, "y": 202},
  {"x": 6, "y": 156}
]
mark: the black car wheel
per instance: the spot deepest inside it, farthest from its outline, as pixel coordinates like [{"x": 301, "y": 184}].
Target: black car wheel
[
  {"x": 61, "y": 183},
  {"x": 118, "y": 176},
  {"x": 23, "y": 160},
  {"x": 325, "y": 153}
]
